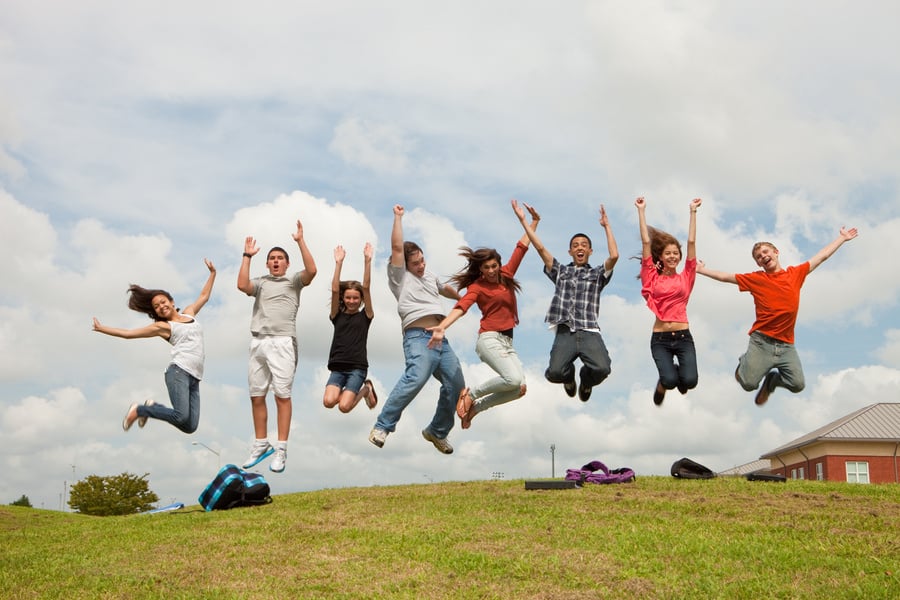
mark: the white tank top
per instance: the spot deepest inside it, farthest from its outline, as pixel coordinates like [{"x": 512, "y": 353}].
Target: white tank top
[{"x": 187, "y": 346}]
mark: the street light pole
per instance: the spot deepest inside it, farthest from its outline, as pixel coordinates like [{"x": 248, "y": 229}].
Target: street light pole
[
  {"x": 552, "y": 460},
  {"x": 218, "y": 456}
]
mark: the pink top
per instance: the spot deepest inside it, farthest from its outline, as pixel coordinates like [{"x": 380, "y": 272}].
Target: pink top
[{"x": 667, "y": 295}]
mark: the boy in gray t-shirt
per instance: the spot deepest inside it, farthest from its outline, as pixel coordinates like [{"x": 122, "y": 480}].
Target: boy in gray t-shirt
[
  {"x": 418, "y": 303},
  {"x": 273, "y": 347}
]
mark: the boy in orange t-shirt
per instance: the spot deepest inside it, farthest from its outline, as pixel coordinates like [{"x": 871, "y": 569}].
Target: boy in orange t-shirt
[{"x": 771, "y": 356}]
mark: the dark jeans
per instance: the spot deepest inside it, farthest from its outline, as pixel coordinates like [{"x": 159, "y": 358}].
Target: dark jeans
[
  {"x": 586, "y": 345},
  {"x": 675, "y": 358}
]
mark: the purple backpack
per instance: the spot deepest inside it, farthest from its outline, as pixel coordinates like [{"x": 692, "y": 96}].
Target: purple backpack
[{"x": 596, "y": 472}]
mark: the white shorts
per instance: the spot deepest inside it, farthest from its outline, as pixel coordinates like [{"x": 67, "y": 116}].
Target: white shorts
[{"x": 273, "y": 362}]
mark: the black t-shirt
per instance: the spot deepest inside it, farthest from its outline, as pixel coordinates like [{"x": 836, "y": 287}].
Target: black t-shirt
[{"x": 348, "y": 346}]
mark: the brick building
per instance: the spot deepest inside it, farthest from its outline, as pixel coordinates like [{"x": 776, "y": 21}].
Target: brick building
[{"x": 862, "y": 447}]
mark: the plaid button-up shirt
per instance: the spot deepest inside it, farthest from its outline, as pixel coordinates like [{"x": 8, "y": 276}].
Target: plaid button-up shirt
[{"x": 576, "y": 302}]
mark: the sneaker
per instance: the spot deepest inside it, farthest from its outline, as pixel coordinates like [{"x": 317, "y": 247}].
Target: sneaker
[
  {"x": 258, "y": 453},
  {"x": 277, "y": 465},
  {"x": 570, "y": 386},
  {"x": 440, "y": 443},
  {"x": 584, "y": 393},
  {"x": 766, "y": 388},
  {"x": 143, "y": 420},
  {"x": 658, "y": 394},
  {"x": 377, "y": 437},
  {"x": 127, "y": 422}
]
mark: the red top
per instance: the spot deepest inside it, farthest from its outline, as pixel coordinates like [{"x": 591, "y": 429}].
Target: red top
[
  {"x": 496, "y": 301},
  {"x": 777, "y": 299}
]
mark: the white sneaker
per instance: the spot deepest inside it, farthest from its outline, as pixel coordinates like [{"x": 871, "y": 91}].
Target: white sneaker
[
  {"x": 258, "y": 453},
  {"x": 278, "y": 461},
  {"x": 143, "y": 420},
  {"x": 377, "y": 437},
  {"x": 441, "y": 444}
]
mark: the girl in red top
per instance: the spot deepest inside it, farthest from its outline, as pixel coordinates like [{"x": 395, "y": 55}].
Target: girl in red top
[
  {"x": 494, "y": 289},
  {"x": 667, "y": 293}
]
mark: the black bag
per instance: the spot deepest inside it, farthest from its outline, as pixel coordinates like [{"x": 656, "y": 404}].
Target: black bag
[
  {"x": 234, "y": 487},
  {"x": 685, "y": 468},
  {"x": 766, "y": 476}
]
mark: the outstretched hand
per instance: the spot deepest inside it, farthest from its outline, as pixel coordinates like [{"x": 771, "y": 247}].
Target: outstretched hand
[
  {"x": 368, "y": 252},
  {"x": 97, "y": 325},
  {"x": 848, "y": 234},
  {"x": 604, "y": 220},
  {"x": 339, "y": 254},
  {"x": 250, "y": 246},
  {"x": 695, "y": 203},
  {"x": 398, "y": 210},
  {"x": 209, "y": 265},
  {"x": 298, "y": 235},
  {"x": 640, "y": 203}
]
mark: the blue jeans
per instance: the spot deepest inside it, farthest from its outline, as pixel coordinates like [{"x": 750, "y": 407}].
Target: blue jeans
[
  {"x": 586, "y": 345},
  {"x": 496, "y": 351},
  {"x": 423, "y": 362},
  {"x": 184, "y": 394},
  {"x": 765, "y": 353},
  {"x": 348, "y": 380},
  {"x": 667, "y": 347}
]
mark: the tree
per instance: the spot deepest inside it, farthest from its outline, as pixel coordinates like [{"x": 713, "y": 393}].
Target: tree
[
  {"x": 123, "y": 494},
  {"x": 23, "y": 501}
]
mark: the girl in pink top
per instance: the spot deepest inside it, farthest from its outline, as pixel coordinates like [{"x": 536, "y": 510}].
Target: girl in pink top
[
  {"x": 667, "y": 293},
  {"x": 493, "y": 288}
]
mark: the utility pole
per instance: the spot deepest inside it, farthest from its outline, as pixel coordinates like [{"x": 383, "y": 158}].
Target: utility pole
[{"x": 553, "y": 460}]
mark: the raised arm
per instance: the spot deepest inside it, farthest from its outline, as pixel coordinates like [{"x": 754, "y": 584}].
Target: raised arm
[
  {"x": 717, "y": 275},
  {"x": 535, "y": 219},
  {"x": 610, "y": 242},
  {"x": 825, "y": 253},
  {"x": 157, "y": 328},
  {"x": 641, "y": 204},
  {"x": 250, "y": 249},
  {"x": 368, "y": 253},
  {"x": 309, "y": 265},
  {"x": 398, "y": 258},
  {"x": 203, "y": 298},
  {"x": 692, "y": 229},
  {"x": 339, "y": 255},
  {"x": 530, "y": 232}
]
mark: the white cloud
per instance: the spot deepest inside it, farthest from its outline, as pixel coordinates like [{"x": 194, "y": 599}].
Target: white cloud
[{"x": 380, "y": 147}]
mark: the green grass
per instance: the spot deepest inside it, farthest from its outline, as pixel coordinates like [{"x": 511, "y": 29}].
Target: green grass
[{"x": 656, "y": 538}]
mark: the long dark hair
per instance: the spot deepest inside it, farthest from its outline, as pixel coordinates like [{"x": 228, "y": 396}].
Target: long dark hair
[
  {"x": 659, "y": 239},
  {"x": 349, "y": 284},
  {"x": 141, "y": 300},
  {"x": 472, "y": 271}
]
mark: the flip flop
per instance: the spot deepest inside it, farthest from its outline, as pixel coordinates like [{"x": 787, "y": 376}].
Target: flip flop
[
  {"x": 464, "y": 403},
  {"x": 126, "y": 425},
  {"x": 372, "y": 395}
]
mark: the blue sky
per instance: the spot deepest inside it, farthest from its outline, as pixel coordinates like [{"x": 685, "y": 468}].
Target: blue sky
[{"x": 137, "y": 139}]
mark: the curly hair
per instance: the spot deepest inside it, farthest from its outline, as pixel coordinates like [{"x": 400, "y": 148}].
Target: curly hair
[
  {"x": 472, "y": 271},
  {"x": 141, "y": 300}
]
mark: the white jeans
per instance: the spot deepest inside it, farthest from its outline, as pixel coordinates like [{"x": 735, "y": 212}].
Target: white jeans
[{"x": 496, "y": 351}]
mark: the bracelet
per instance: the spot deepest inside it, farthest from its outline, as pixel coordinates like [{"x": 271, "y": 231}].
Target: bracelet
[{"x": 248, "y": 255}]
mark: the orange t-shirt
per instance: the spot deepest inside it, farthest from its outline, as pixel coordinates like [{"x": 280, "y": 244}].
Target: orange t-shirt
[{"x": 777, "y": 299}]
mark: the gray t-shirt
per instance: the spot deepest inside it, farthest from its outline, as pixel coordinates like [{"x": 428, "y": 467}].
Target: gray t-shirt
[
  {"x": 417, "y": 297},
  {"x": 275, "y": 308}
]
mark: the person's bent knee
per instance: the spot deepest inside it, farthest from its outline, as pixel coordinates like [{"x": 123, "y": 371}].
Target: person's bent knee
[{"x": 668, "y": 382}]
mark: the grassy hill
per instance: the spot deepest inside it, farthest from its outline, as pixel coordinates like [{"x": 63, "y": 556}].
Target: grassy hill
[{"x": 655, "y": 538}]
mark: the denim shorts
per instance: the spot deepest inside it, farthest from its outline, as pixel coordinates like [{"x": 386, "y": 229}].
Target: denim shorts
[{"x": 348, "y": 380}]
